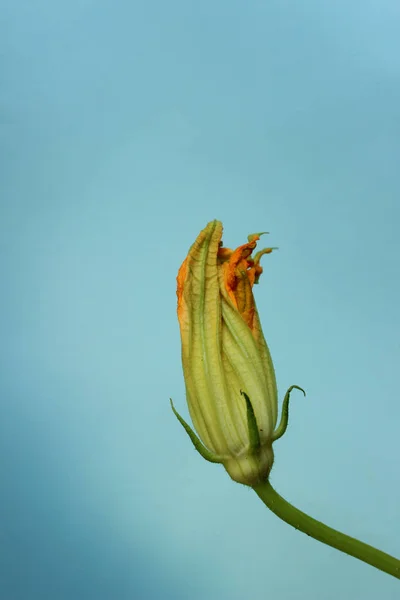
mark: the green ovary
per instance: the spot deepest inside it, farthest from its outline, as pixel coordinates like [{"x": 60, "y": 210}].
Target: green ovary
[{"x": 251, "y": 469}]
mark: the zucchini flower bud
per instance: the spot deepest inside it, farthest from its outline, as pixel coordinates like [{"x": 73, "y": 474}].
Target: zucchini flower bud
[
  {"x": 229, "y": 376},
  {"x": 230, "y": 380}
]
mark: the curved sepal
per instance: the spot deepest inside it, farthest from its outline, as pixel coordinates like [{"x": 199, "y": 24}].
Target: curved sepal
[
  {"x": 201, "y": 449},
  {"x": 254, "y": 435},
  {"x": 280, "y": 430}
]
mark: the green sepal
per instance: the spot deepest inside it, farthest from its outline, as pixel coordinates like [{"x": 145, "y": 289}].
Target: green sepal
[
  {"x": 254, "y": 435},
  {"x": 201, "y": 449},
  {"x": 280, "y": 430}
]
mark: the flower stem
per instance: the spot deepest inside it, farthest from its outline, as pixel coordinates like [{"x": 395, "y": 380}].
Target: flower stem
[{"x": 299, "y": 520}]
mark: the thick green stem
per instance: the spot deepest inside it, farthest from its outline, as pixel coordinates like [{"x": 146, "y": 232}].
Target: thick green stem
[{"x": 293, "y": 516}]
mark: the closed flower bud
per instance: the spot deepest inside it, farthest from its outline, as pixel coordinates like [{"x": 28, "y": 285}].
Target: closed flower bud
[{"x": 229, "y": 376}]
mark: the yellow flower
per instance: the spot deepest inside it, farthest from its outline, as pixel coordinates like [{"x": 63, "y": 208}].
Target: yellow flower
[{"x": 229, "y": 376}]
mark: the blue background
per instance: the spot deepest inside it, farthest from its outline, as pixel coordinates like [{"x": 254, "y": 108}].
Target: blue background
[{"x": 126, "y": 127}]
